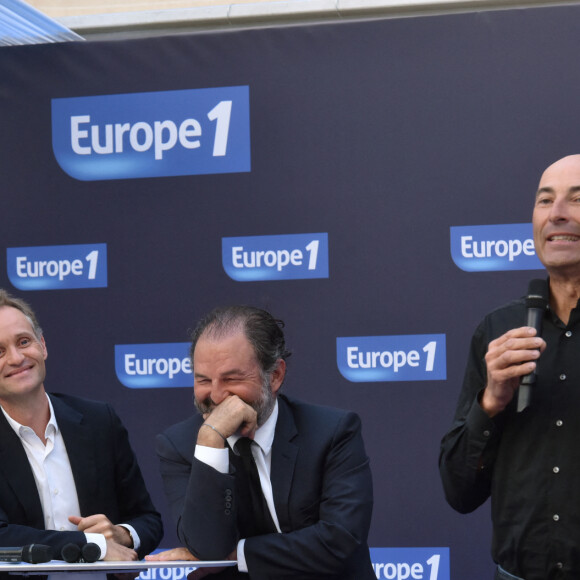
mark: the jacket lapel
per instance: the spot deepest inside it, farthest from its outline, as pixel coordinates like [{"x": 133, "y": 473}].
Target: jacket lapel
[
  {"x": 17, "y": 472},
  {"x": 80, "y": 445},
  {"x": 284, "y": 454}
]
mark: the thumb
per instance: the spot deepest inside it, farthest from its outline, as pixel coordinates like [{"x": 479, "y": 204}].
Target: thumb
[{"x": 74, "y": 520}]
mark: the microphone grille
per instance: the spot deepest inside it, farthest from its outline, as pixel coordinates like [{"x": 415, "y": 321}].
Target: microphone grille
[
  {"x": 91, "y": 552},
  {"x": 537, "y": 294},
  {"x": 71, "y": 553},
  {"x": 37, "y": 553}
]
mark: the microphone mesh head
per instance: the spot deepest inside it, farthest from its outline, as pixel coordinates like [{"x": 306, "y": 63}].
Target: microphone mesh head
[
  {"x": 91, "y": 552},
  {"x": 37, "y": 553},
  {"x": 537, "y": 294},
  {"x": 71, "y": 553}
]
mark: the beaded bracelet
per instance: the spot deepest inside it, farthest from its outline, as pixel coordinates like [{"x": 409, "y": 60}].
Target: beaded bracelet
[{"x": 212, "y": 427}]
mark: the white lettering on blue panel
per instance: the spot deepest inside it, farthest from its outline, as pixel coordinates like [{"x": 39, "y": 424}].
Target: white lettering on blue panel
[
  {"x": 494, "y": 248},
  {"x": 156, "y": 134},
  {"x": 149, "y": 366},
  {"x": 166, "y": 573},
  {"x": 281, "y": 257},
  {"x": 58, "y": 267},
  {"x": 419, "y": 357},
  {"x": 411, "y": 563}
]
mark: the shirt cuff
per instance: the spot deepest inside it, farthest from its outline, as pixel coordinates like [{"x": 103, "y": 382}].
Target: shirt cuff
[
  {"x": 217, "y": 458},
  {"x": 242, "y": 566},
  {"x": 134, "y": 536},
  {"x": 479, "y": 424},
  {"x": 98, "y": 539}
]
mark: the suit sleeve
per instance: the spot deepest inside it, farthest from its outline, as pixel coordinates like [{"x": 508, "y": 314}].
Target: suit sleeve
[
  {"x": 330, "y": 537},
  {"x": 202, "y": 501},
  {"x": 133, "y": 500},
  {"x": 21, "y": 535}
]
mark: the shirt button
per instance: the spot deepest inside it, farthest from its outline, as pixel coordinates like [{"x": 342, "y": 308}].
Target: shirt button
[
  {"x": 486, "y": 433},
  {"x": 556, "y": 470},
  {"x": 562, "y": 377},
  {"x": 559, "y": 565},
  {"x": 555, "y": 517},
  {"x": 559, "y": 423},
  {"x": 568, "y": 335}
]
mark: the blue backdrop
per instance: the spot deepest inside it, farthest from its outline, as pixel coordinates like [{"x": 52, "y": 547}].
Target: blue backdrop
[{"x": 345, "y": 176}]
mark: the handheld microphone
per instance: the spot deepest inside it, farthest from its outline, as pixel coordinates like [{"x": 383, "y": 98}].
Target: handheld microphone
[
  {"x": 88, "y": 554},
  {"x": 536, "y": 304},
  {"x": 33, "y": 554}
]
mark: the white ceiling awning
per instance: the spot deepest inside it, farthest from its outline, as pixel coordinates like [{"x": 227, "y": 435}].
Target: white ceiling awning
[{"x": 20, "y": 23}]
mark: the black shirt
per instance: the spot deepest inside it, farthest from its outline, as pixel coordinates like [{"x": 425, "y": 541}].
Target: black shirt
[{"x": 528, "y": 462}]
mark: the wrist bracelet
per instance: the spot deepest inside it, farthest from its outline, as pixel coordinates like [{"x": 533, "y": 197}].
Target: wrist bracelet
[{"x": 212, "y": 427}]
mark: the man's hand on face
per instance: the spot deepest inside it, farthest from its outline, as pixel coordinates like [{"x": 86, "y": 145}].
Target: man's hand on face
[{"x": 231, "y": 416}]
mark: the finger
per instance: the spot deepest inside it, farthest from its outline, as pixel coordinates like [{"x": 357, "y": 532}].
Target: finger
[
  {"x": 232, "y": 415},
  {"x": 510, "y": 354},
  {"x": 497, "y": 349},
  {"x": 94, "y": 521},
  {"x": 92, "y": 527},
  {"x": 248, "y": 430},
  {"x": 524, "y": 332},
  {"x": 168, "y": 555},
  {"x": 172, "y": 554},
  {"x": 184, "y": 554},
  {"x": 116, "y": 553},
  {"x": 512, "y": 362},
  {"x": 82, "y": 524}
]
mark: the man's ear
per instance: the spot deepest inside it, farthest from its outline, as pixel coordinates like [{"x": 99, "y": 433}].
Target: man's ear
[
  {"x": 44, "y": 351},
  {"x": 277, "y": 376}
]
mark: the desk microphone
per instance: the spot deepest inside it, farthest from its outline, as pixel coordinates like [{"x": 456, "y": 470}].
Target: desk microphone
[
  {"x": 33, "y": 554},
  {"x": 89, "y": 553},
  {"x": 536, "y": 304},
  {"x": 71, "y": 553}
]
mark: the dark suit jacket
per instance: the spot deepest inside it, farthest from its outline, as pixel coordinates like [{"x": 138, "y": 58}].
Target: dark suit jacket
[
  {"x": 107, "y": 477},
  {"x": 322, "y": 488}
]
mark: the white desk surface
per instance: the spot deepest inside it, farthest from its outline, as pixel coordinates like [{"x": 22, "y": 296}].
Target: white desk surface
[{"x": 108, "y": 567}]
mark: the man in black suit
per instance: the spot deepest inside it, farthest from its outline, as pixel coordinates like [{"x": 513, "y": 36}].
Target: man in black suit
[
  {"x": 68, "y": 474},
  {"x": 311, "y": 515}
]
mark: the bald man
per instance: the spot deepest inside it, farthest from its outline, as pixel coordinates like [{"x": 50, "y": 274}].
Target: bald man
[{"x": 527, "y": 461}]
